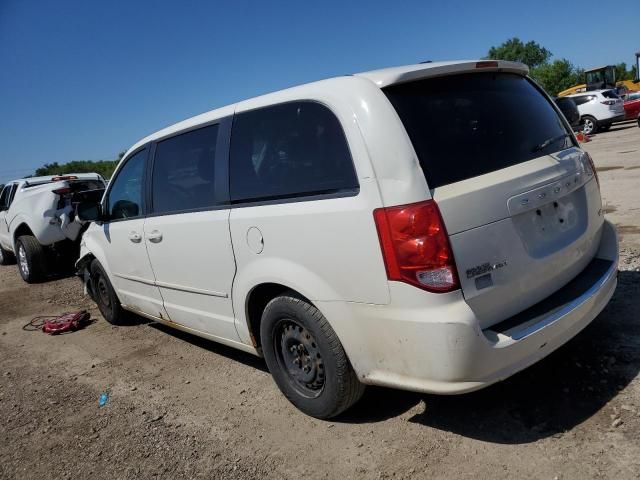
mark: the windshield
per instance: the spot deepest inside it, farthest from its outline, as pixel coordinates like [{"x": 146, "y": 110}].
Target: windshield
[{"x": 467, "y": 125}]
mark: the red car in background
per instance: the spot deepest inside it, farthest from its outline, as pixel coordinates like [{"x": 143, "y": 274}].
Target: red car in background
[{"x": 632, "y": 106}]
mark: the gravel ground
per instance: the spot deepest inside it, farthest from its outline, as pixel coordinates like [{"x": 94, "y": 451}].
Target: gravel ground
[{"x": 180, "y": 406}]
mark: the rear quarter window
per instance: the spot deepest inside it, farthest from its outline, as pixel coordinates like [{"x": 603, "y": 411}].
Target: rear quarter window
[
  {"x": 467, "y": 125},
  {"x": 289, "y": 150}
]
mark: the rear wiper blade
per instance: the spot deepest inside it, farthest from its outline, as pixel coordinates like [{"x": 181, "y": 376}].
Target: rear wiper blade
[{"x": 548, "y": 142}]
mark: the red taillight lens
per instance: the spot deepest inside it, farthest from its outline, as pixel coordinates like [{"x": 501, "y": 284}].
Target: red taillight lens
[
  {"x": 63, "y": 177},
  {"x": 415, "y": 246},
  {"x": 487, "y": 64}
]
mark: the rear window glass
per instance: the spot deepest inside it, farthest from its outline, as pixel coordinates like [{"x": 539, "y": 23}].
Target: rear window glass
[
  {"x": 81, "y": 185},
  {"x": 610, "y": 94},
  {"x": 289, "y": 150},
  {"x": 467, "y": 125}
]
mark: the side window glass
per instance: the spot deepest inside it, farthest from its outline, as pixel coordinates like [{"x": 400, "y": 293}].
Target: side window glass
[
  {"x": 184, "y": 171},
  {"x": 125, "y": 196},
  {"x": 12, "y": 194},
  {"x": 4, "y": 197},
  {"x": 289, "y": 150}
]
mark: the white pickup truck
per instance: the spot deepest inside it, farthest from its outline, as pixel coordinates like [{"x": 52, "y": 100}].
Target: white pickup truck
[{"x": 38, "y": 223}]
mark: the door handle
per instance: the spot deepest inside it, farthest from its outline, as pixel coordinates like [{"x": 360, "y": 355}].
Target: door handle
[
  {"x": 154, "y": 236},
  {"x": 135, "y": 237}
]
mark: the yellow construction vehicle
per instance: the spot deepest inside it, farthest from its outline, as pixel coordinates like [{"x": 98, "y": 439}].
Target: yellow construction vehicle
[{"x": 605, "y": 77}]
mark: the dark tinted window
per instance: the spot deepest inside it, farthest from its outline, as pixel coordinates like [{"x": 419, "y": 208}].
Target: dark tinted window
[
  {"x": 12, "y": 195},
  {"x": 4, "y": 196},
  {"x": 183, "y": 171},
  {"x": 289, "y": 150},
  {"x": 467, "y": 125},
  {"x": 610, "y": 94},
  {"x": 125, "y": 196}
]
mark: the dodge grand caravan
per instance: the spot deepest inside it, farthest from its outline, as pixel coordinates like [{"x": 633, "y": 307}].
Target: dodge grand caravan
[{"x": 432, "y": 227}]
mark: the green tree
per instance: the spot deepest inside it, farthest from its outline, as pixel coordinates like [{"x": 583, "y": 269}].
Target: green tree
[
  {"x": 530, "y": 53},
  {"x": 103, "y": 167},
  {"x": 557, "y": 75},
  {"x": 623, "y": 74}
]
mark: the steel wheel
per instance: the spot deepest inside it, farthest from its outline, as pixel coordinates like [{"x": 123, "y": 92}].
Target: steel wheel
[
  {"x": 22, "y": 261},
  {"x": 102, "y": 292},
  {"x": 299, "y": 356},
  {"x": 105, "y": 296}
]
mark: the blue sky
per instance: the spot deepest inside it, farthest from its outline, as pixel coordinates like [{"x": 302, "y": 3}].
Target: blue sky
[{"x": 86, "y": 79}]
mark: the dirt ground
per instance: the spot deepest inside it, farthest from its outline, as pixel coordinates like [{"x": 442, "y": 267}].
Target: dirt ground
[{"x": 182, "y": 407}]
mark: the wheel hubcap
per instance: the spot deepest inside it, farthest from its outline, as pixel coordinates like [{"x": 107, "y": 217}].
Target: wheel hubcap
[
  {"x": 299, "y": 356},
  {"x": 22, "y": 258},
  {"x": 588, "y": 126}
]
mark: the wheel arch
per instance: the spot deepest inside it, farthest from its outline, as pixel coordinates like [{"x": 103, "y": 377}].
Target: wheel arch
[
  {"x": 259, "y": 281},
  {"x": 256, "y": 301},
  {"x": 22, "y": 229}
]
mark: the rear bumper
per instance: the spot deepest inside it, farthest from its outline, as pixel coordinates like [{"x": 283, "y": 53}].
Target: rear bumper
[{"x": 441, "y": 349}]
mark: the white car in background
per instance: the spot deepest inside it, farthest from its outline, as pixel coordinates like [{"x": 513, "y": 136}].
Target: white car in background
[
  {"x": 598, "y": 109},
  {"x": 38, "y": 221}
]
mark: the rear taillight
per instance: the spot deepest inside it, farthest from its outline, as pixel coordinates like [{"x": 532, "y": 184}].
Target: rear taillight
[
  {"x": 487, "y": 64},
  {"x": 63, "y": 177},
  {"x": 608, "y": 102},
  {"x": 593, "y": 168},
  {"x": 415, "y": 246}
]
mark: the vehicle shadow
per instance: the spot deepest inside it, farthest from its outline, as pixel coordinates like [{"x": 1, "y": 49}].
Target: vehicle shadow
[
  {"x": 549, "y": 398},
  {"x": 622, "y": 126},
  {"x": 213, "y": 347}
]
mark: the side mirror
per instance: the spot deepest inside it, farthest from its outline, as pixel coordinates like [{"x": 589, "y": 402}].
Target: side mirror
[{"x": 89, "y": 211}]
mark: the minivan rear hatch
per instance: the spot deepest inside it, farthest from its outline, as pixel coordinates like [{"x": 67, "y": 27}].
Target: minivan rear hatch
[{"x": 518, "y": 198}]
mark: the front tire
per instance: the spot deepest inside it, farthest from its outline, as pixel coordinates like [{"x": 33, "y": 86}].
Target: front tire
[
  {"x": 6, "y": 257},
  {"x": 589, "y": 125},
  {"x": 306, "y": 359},
  {"x": 105, "y": 296},
  {"x": 32, "y": 261}
]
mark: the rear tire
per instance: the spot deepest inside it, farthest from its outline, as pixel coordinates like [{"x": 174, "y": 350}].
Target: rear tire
[
  {"x": 589, "y": 125},
  {"x": 306, "y": 359},
  {"x": 105, "y": 296},
  {"x": 32, "y": 261},
  {"x": 6, "y": 257}
]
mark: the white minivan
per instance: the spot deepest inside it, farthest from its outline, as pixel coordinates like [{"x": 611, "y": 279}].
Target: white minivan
[{"x": 431, "y": 227}]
